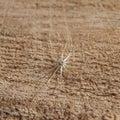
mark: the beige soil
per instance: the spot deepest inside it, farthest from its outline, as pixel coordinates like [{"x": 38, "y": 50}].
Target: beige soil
[{"x": 33, "y": 36}]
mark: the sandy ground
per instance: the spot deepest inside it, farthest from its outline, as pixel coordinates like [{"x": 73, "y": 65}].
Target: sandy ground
[{"x": 34, "y": 34}]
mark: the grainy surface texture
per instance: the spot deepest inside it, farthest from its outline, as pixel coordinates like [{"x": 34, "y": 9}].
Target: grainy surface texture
[{"x": 35, "y": 35}]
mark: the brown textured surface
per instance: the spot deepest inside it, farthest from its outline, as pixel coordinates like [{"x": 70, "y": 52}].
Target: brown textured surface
[{"x": 33, "y": 34}]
